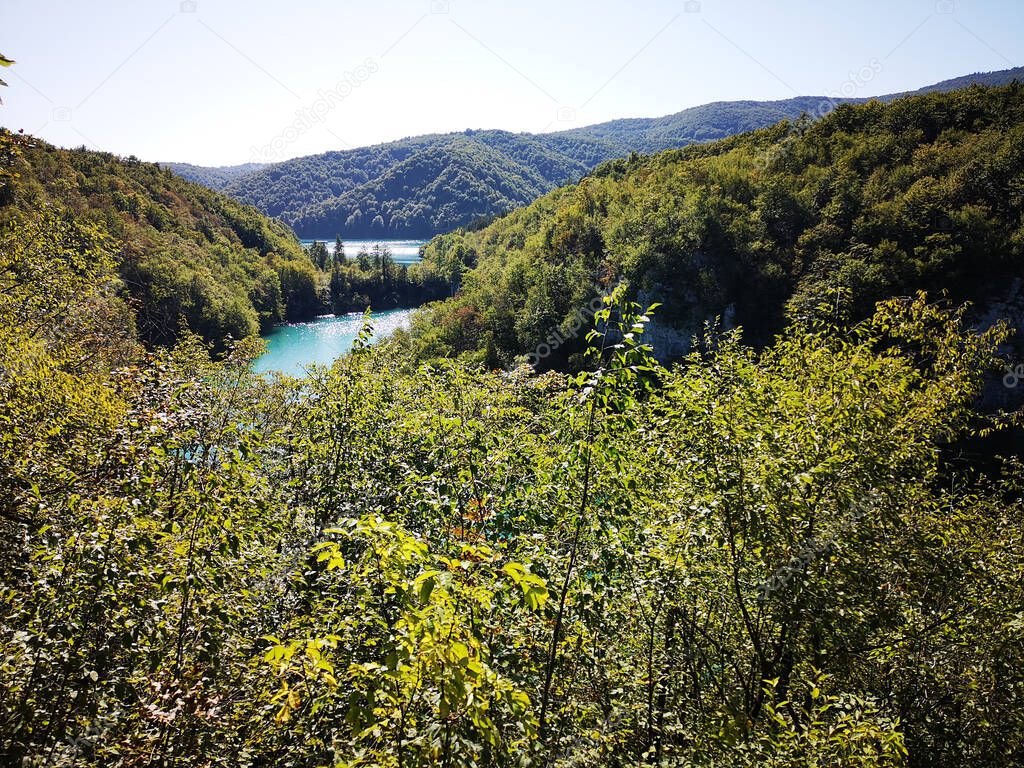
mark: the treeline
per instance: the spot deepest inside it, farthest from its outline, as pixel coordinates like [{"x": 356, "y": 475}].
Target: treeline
[
  {"x": 186, "y": 257},
  {"x": 721, "y": 119},
  {"x": 214, "y": 177},
  {"x": 872, "y": 201},
  {"x": 371, "y": 279}
]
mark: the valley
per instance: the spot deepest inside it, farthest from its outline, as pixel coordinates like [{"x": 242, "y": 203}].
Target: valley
[{"x": 680, "y": 442}]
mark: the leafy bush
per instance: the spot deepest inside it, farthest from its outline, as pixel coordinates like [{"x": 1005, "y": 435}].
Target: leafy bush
[{"x": 752, "y": 559}]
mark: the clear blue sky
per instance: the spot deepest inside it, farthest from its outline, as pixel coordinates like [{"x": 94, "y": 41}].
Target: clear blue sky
[{"x": 226, "y": 81}]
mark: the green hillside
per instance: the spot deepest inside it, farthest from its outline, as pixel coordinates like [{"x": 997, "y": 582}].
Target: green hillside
[
  {"x": 417, "y": 187},
  {"x": 875, "y": 200},
  {"x": 456, "y": 181},
  {"x": 754, "y": 559},
  {"x": 184, "y": 254},
  {"x": 707, "y": 122},
  {"x": 216, "y": 177},
  {"x": 721, "y": 119}
]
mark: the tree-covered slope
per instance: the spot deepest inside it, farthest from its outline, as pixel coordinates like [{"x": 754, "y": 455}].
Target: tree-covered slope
[
  {"x": 874, "y": 200},
  {"x": 417, "y": 186},
  {"x": 707, "y": 122},
  {"x": 453, "y": 182},
  {"x": 284, "y": 189},
  {"x": 185, "y": 255},
  {"x": 345, "y": 192},
  {"x": 754, "y": 559},
  {"x": 987, "y": 79}
]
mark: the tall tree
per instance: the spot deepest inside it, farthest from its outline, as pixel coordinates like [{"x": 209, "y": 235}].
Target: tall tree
[
  {"x": 387, "y": 268},
  {"x": 318, "y": 254},
  {"x": 339, "y": 251}
]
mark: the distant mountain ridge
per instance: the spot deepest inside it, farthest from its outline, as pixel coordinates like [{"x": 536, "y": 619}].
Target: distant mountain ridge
[
  {"x": 719, "y": 119},
  {"x": 214, "y": 177},
  {"x": 423, "y": 185},
  {"x": 418, "y": 187}
]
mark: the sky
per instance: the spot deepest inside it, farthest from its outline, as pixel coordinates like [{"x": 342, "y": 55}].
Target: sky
[{"x": 221, "y": 82}]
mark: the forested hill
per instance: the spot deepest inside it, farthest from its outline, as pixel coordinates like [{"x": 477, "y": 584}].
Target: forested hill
[
  {"x": 185, "y": 255},
  {"x": 420, "y": 186},
  {"x": 459, "y": 179},
  {"x": 874, "y": 200}
]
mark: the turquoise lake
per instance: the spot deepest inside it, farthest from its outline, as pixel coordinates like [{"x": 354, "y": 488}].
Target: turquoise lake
[{"x": 294, "y": 347}]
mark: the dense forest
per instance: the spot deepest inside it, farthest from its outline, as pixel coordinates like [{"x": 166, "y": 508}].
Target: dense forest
[
  {"x": 425, "y": 185},
  {"x": 746, "y": 560},
  {"x": 874, "y": 200},
  {"x": 186, "y": 257},
  {"x": 189, "y": 259}
]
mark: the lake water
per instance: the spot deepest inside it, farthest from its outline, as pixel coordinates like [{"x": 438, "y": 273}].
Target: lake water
[
  {"x": 292, "y": 348},
  {"x": 403, "y": 251}
]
